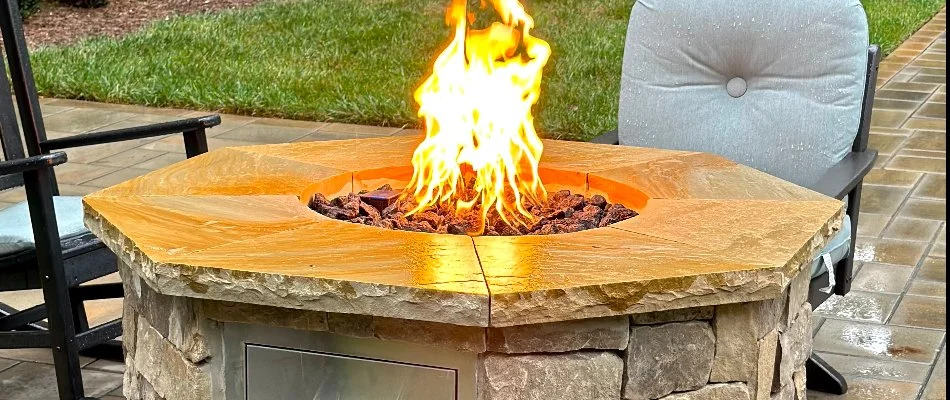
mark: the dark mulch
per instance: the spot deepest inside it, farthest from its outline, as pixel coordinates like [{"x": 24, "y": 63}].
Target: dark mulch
[
  {"x": 58, "y": 24},
  {"x": 563, "y": 212}
]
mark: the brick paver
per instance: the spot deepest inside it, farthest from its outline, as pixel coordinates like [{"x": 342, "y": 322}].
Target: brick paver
[{"x": 888, "y": 336}]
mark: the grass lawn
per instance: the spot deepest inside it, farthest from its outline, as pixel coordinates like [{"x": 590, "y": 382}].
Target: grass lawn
[{"x": 358, "y": 61}]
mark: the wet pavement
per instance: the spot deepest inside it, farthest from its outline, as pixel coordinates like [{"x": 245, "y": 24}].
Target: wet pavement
[{"x": 888, "y": 336}]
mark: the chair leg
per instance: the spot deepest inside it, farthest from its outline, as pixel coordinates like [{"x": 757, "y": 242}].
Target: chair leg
[
  {"x": 62, "y": 331},
  {"x": 822, "y": 377},
  {"x": 63, "y": 344}
]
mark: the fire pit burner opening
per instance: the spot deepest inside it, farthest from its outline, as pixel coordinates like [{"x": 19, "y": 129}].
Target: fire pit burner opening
[{"x": 563, "y": 212}]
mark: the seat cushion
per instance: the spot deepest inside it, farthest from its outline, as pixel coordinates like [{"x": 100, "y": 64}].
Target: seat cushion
[
  {"x": 773, "y": 84},
  {"x": 16, "y": 229},
  {"x": 838, "y": 248}
]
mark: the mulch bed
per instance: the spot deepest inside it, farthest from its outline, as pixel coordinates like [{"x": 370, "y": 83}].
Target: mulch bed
[
  {"x": 56, "y": 24},
  {"x": 563, "y": 212}
]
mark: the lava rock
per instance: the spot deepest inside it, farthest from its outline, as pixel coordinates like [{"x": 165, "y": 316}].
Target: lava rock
[
  {"x": 590, "y": 216},
  {"x": 576, "y": 202},
  {"x": 563, "y": 212},
  {"x": 428, "y": 216},
  {"x": 556, "y": 197},
  {"x": 598, "y": 201},
  {"x": 616, "y": 213},
  {"x": 370, "y": 212}
]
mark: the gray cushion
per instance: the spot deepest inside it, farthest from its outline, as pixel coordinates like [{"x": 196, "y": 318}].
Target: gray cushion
[
  {"x": 16, "y": 229},
  {"x": 795, "y": 109},
  {"x": 838, "y": 248}
]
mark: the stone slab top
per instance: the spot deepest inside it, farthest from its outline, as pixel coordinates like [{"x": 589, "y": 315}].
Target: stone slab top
[{"x": 233, "y": 225}]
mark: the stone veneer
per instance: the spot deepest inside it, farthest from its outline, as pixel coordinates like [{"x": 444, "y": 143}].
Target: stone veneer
[{"x": 755, "y": 350}]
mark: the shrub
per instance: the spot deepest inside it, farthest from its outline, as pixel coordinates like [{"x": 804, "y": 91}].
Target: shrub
[{"x": 28, "y": 7}]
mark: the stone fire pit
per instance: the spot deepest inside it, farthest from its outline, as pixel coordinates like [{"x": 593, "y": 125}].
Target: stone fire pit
[{"x": 235, "y": 289}]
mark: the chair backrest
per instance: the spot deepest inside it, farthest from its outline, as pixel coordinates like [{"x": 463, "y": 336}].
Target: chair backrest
[
  {"x": 773, "y": 84},
  {"x": 21, "y": 80}
]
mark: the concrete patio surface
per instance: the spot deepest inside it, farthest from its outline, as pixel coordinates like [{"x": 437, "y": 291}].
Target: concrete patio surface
[{"x": 888, "y": 336}]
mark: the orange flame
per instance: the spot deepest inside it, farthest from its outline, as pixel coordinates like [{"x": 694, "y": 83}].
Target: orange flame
[{"x": 476, "y": 105}]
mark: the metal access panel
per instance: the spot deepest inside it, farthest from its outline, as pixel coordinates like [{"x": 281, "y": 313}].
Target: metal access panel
[
  {"x": 276, "y": 373},
  {"x": 260, "y": 362}
]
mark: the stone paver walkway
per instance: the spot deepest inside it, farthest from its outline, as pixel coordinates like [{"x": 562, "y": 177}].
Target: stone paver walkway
[{"x": 888, "y": 335}]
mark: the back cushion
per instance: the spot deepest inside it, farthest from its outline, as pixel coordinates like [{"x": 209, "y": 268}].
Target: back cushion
[{"x": 773, "y": 84}]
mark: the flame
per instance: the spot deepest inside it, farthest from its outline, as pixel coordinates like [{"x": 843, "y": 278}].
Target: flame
[{"x": 476, "y": 107}]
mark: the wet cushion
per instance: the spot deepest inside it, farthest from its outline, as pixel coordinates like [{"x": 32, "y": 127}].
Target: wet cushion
[
  {"x": 16, "y": 229},
  {"x": 838, "y": 248},
  {"x": 776, "y": 85}
]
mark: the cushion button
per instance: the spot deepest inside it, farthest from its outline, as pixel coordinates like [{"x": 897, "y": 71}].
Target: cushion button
[{"x": 736, "y": 87}]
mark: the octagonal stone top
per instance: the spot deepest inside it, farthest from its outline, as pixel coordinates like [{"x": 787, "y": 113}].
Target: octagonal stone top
[{"x": 233, "y": 225}]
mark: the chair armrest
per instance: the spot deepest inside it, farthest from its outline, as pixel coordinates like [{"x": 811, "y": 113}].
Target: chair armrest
[
  {"x": 138, "y": 132},
  {"x": 21, "y": 165},
  {"x": 606, "y": 138},
  {"x": 841, "y": 178}
]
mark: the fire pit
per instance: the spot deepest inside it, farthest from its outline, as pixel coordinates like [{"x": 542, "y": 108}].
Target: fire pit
[
  {"x": 477, "y": 261},
  {"x": 228, "y": 272}
]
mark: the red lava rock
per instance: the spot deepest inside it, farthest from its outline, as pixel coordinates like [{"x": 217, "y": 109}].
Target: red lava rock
[
  {"x": 616, "y": 213},
  {"x": 559, "y": 195},
  {"x": 590, "y": 216},
  {"x": 576, "y": 202},
  {"x": 563, "y": 212},
  {"x": 370, "y": 212},
  {"x": 428, "y": 216},
  {"x": 598, "y": 201},
  {"x": 457, "y": 228}
]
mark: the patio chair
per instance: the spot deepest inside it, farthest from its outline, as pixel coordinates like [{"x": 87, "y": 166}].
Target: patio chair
[
  {"x": 784, "y": 87},
  {"x": 55, "y": 252}
]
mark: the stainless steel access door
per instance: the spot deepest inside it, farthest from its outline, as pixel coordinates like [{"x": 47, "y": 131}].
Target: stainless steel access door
[
  {"x": 257, "y": 362},
  {"x": 287, "y": 374}
]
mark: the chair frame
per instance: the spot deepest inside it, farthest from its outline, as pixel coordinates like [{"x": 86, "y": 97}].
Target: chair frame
[
  {"x": 59, "y": 267},
  {"x": 843, "y": 179}
]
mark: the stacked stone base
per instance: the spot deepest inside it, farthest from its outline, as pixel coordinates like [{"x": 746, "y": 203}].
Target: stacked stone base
[{"x": 753, "y": 351}]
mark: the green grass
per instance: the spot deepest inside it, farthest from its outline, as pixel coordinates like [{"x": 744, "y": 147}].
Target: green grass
[
  {"x": 358, "y": 61},
  {"x": 893, "y": 21}
]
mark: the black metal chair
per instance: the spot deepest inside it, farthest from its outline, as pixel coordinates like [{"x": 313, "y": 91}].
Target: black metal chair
[
  {"x": 683, "y": 89},
  {"x": 49, "y": 249}
]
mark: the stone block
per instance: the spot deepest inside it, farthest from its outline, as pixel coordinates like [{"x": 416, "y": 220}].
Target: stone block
[
  {"x": 764, "y": 376},
  {"x": 225, "y": 311},
  {"x": 130, "y": 379},
  {"x": 678, "y": 315},
  {"x": 798, "y": 380},
  {"x": 129, "y": 321},
  {"x": 797, "y": 294},
  {"x": 738, "y": 330},
  {"x": 355, "y": 325},
  {"x": 175, "y": 318},
  {"x": 721, "y": 391},
  {"x": 131, "y": 285},
  {"x": 169, "y": 372},
  {"x": 610, "y": 333},
  {"x": 784, "y": 393},
  {"x": 455, "y": 337},
  {"x": 795, "y": 345},
  {"x": 137, "y": 388},
  {"x": 568, "y": 376},
  {"x": 662, "y": 359}
]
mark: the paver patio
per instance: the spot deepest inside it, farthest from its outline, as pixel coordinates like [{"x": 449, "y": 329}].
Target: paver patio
[{"x": 888, "y": 336}]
